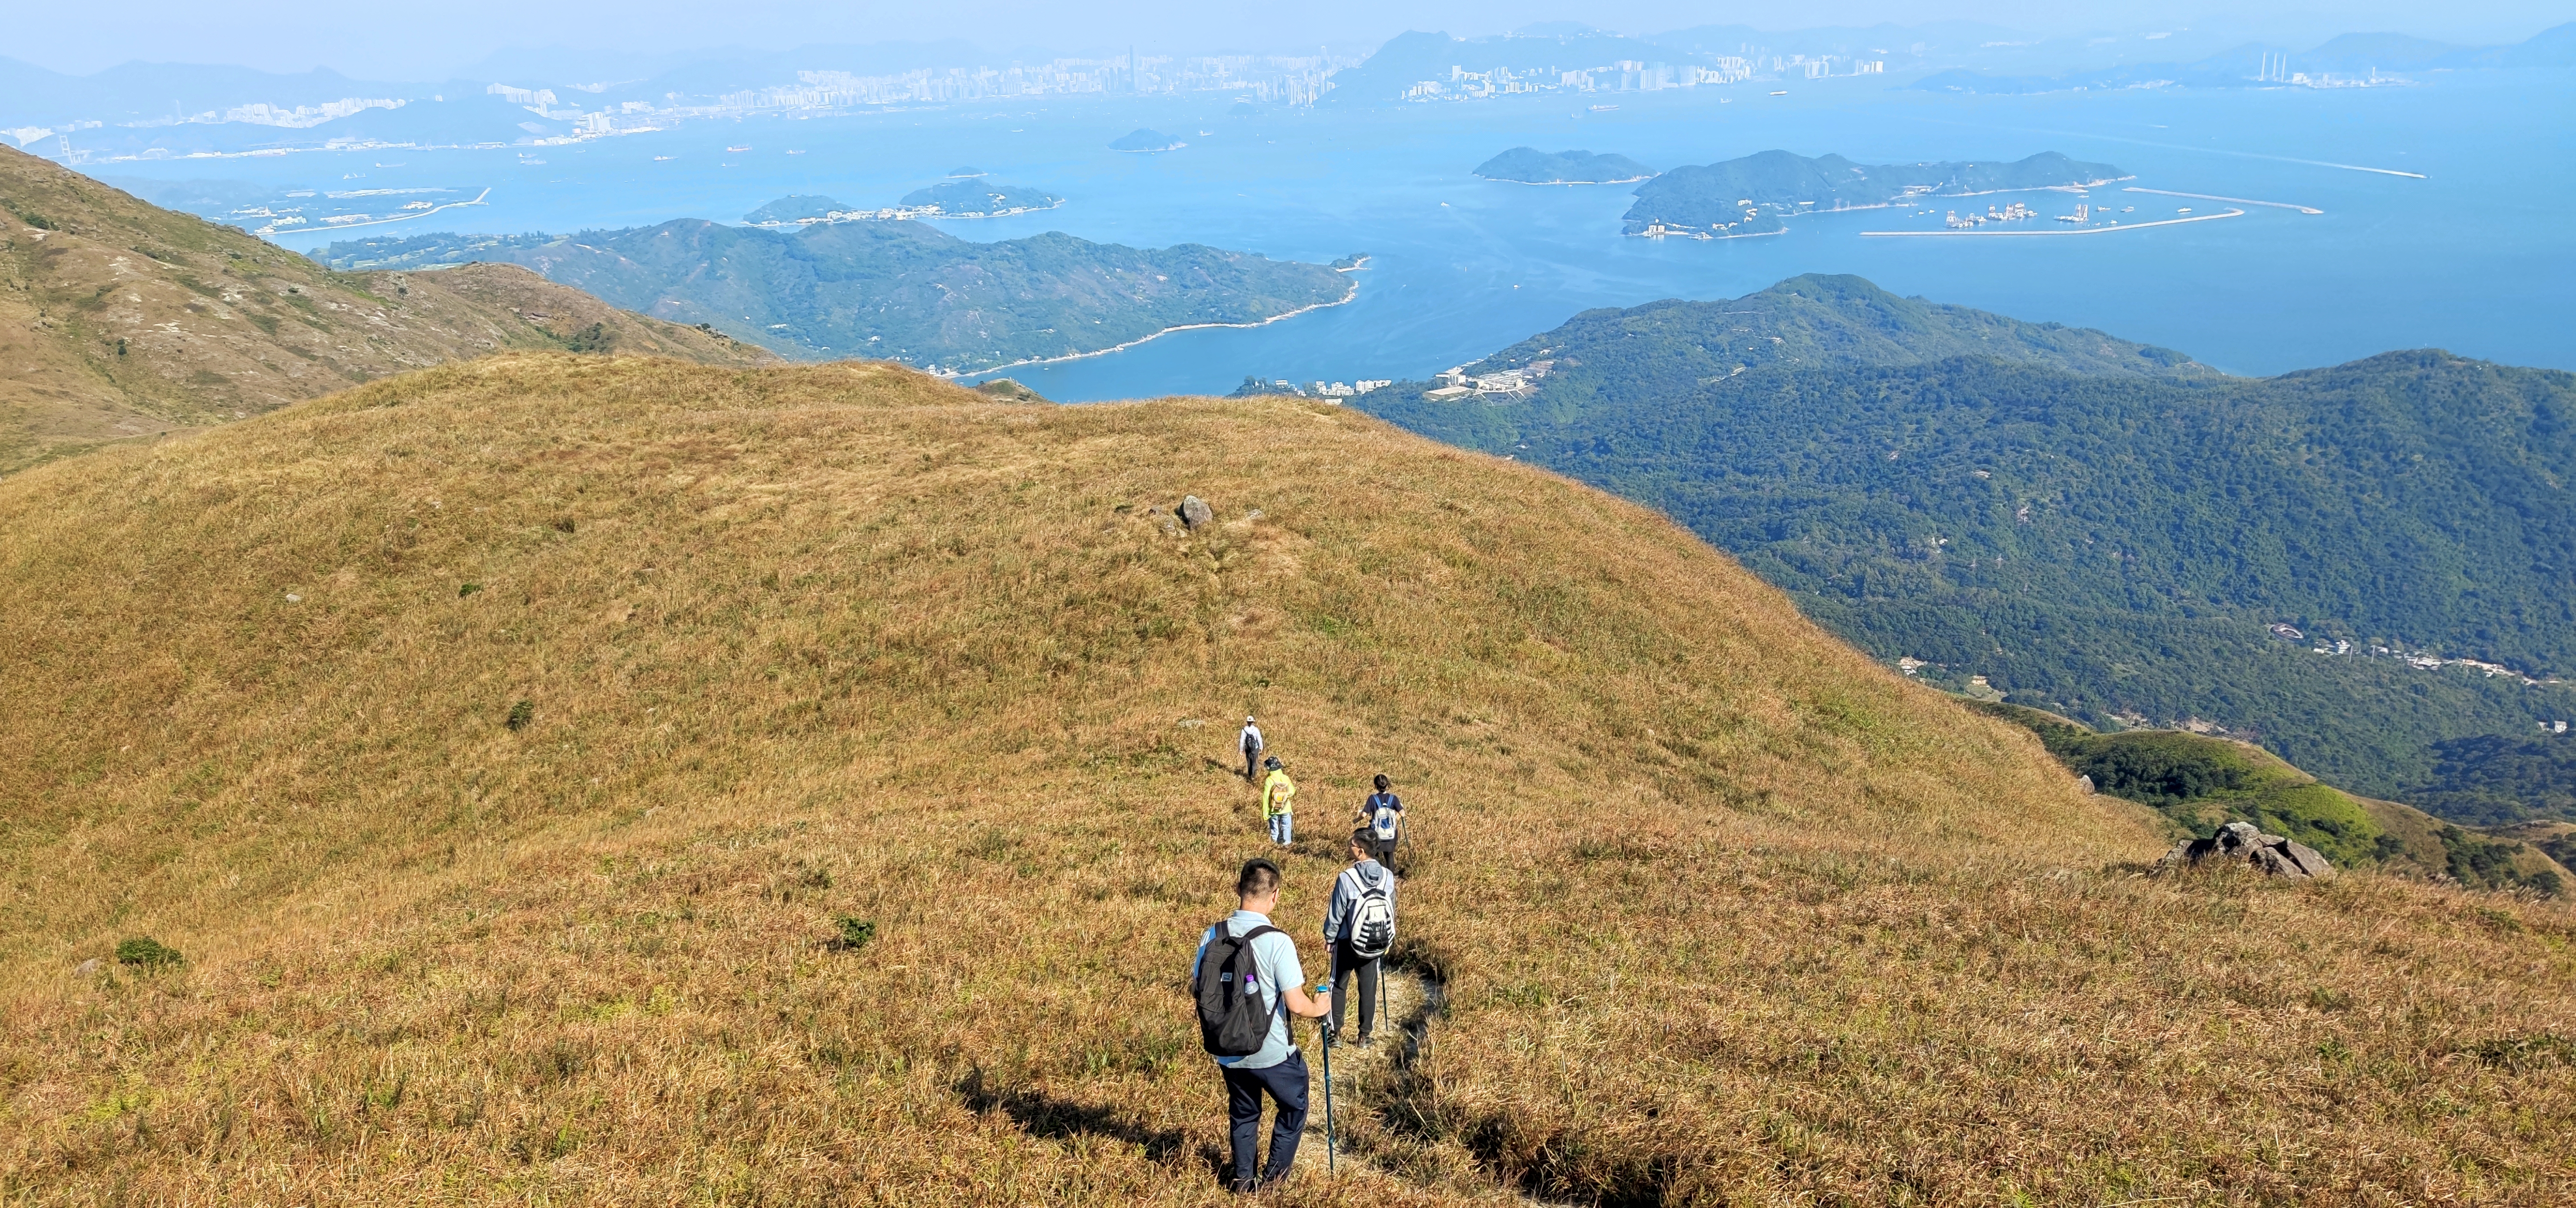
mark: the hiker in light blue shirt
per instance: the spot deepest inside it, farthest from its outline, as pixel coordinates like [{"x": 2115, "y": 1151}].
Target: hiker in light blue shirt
[{"x": 1277, "y": 1069}]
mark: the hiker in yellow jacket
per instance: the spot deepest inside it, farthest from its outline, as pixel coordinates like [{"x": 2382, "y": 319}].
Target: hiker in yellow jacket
[{"x": 1278, "y": 795}]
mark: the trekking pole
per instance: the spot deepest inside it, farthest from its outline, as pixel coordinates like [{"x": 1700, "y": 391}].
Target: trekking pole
[{"x": 1325, "y": 1029}]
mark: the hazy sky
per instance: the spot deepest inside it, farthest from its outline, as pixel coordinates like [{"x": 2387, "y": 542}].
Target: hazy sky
[{"x": 432, "y": 41}]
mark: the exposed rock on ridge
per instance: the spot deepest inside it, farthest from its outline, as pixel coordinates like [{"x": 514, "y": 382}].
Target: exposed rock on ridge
[{"x": 2244, "y": 843}]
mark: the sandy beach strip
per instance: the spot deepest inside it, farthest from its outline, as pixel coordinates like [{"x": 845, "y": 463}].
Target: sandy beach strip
[{"x": 2100, "y": 230}]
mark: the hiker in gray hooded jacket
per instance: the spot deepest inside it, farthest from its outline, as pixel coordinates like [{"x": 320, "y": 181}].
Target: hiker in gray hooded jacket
[{"x": 1352, "y": 927}]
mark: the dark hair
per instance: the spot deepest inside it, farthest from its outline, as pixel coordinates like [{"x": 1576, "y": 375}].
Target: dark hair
[
  {"x": 1363, "y": 840},
  {"x": 1259, "y": 876},
  {"x": 1381, "y": 782}
]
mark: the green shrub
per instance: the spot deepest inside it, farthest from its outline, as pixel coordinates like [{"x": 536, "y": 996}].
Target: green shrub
[
  {"x": 2482, "y": 863},
  {"x": 146, "y": 952},
  {"x": 856, "y": 933},
  {"x": 466, "y": 589},
  {"x": 2157, "y": 769},
  {"x": 2540, "y": 1050},
  {"x": 594, "y": 338},
  {"x": 520, "y": 715}
]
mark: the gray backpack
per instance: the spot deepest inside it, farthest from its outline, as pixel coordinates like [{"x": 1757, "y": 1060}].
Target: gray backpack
[{"x": 1370, "y": 930}]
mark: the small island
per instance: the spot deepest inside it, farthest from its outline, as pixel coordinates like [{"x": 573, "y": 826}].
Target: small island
[
  {"x": 1756, "y": 195},
  {"x": 960, "y": 196},
  {"x": 789, "y": 210},
  {"x": 978, "y": 198},
  {"x": 1531, "y": 166},
  {"x": 1146, "y": 141}
]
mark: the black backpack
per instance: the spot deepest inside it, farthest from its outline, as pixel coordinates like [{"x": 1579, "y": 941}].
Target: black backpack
[{"x": 1233, "y": 1021}]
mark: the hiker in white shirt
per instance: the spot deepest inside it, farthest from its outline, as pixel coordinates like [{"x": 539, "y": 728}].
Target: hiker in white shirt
[{"x": 1251, "y": 751}]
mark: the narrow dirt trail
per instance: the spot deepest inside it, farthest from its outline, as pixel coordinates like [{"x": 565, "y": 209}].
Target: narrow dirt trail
[
  {"x": 1366, "y": 1079},
  {"x": 1406, "y": 1006}
]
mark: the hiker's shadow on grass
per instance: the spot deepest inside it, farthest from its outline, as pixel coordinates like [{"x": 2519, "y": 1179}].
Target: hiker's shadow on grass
[
  {"x": 1042, "y": 1115},
  {"x": 1224, "y": 767}
]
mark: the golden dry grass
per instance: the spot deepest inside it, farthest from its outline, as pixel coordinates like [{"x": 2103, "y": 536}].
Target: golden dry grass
[
  {"x": 1725, "y": 913},
  {"x": 120, "y": 320}
]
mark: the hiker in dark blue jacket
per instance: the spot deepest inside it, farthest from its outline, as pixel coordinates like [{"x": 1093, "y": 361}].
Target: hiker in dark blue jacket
[{"x": 1382, "y": 816}]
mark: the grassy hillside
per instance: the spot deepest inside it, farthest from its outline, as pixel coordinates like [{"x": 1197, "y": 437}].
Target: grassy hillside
[
  {"x": 119, "y": 319},
  {"x": 2558, "y": 839},
  {"x": 2042, "y": 507},
  {"x": 902, "y": 291},
  {"x": 610, "y": 780}
]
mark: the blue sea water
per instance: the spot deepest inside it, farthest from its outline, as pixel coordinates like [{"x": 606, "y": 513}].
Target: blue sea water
[{"x": 2475, "y": 256}]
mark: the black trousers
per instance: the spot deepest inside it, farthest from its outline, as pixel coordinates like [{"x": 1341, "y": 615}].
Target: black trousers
[
  {"x": 1285, "y": 1083},
  {"x": 1346, "y": 964},
  {"x": 1251, "y": 761}
]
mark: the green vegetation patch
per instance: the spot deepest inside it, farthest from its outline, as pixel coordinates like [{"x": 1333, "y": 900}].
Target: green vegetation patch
[
  {"x": 144, "y": 952},
  {"x": 854, "y": 932},
  {"x": 2478, "y": 860},
  {"x": 2202, "y": 783}
]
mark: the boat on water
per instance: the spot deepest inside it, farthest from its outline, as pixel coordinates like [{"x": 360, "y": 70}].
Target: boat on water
[
  {"x": 663, "y": 159},
  {"x": 1782, "y": 92},
  {"x": 736, "y": 149},
  {"x": 1603, "y": 108}
]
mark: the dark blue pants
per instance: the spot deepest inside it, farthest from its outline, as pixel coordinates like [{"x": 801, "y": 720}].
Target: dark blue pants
[{"x": 1285, "y": 1083}]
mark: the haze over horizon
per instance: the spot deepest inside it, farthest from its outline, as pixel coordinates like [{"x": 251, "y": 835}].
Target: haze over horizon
[
  {"x": 1969, "y": 603},
  {"x": 303, "y": 35}
]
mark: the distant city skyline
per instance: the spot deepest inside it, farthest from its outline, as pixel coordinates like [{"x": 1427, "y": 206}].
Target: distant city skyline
[{"x": 369, "y": 42}]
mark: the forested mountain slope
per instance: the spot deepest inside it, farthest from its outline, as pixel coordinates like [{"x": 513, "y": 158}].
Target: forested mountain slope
[
  {"x": 609, "y": 780},
  {"x": 2111, "y": 545},
  {"x": 1613, "y": 356},
  {"x": 120, "y": 319}
]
